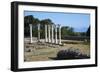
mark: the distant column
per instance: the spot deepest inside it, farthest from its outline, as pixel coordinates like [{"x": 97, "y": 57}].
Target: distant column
[
  {"x": 49, "y": 33},
  {"x": 59, "y": 33},
  {"x": 38, "y": 32},
  {"x": 46, "y": 33},
  {"x": 52, "y": 36},
  {"x": 56, "y": 41},
  {"x": 30, "y": 33}
]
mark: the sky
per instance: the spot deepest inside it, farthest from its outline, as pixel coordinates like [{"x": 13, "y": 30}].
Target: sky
[{"x": 79, "y": 21}]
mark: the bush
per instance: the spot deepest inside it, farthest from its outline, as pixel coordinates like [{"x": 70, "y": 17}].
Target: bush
[
  {"x": 70, "y": 54},
  {"x": 83, "y": 56}
]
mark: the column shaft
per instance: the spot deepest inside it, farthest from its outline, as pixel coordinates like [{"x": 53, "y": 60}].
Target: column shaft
[
  {"x": 38, "y": 32},
  {"x": 59, "y": 34},
  {"x": 49, "y": 33},
  {"x": 52, "y": 36},
  {"x": 56, "y": 41},
  {"x": 46, "y": 33},
  {"x": 30, "y": 33}
]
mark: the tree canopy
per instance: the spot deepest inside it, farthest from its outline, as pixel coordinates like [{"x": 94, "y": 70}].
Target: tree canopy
[
  {"x": 65, "y": 30},
  {"x": 88, "y": 32}
]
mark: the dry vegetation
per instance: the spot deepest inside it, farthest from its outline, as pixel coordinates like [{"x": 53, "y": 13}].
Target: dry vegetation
[{"x": 44, "y": 52}]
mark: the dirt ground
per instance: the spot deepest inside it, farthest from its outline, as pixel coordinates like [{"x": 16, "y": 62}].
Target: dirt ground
[{"x": 44, "y": 52}]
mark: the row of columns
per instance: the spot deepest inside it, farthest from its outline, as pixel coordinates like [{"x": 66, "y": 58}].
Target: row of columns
[
  {"x": 49, "y": 33},
  {"x": 51, "y": 29}
]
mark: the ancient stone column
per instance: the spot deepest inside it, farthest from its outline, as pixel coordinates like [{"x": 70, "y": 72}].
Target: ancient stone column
[
  {"x": 59, "y": 34},
  {"x": 38, "y": 32},
  {"x": 52, "y": 35},
  {"x": 49, "y": 33},
  {"x": 30, "y": 33},
  {"x": 56, "y": 41},
  {"x": 46, "y": 40}
]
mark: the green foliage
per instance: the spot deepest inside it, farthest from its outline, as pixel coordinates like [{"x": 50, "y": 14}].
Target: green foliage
[
  {"x": 88, "y": 32},
  {"x": 46, "y": 21},
  {"x": 28, "y": 19},
  {"x": 35, "y": 21},
  {"x": 65, "y": 30},
  {"x": 31, "y": 20},
  {"x": 35, "y": 31}
]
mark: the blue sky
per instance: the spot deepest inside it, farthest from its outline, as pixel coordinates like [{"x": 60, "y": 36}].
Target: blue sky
[{"x": 80, "y": 22}]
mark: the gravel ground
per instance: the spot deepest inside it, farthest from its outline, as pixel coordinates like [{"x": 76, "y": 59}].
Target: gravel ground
[{"x": 45, "y": 51}]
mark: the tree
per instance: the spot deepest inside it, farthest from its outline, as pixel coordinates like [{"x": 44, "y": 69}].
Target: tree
[
  {"x": 44, "y": 23},
  {"x": 27, "y": 20},
  {"x": 88, "y": 32},
  {"x": 67, "y": 31},
  {"x": 36, "y": 22}
]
